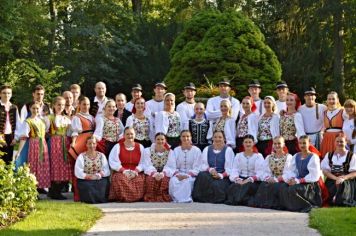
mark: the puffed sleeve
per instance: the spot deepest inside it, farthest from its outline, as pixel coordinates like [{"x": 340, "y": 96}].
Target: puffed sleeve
[
  {"x": 114, "y": 160},
  {"x": 252, "y": 123},
  {"x": 161, "y": 122},
  {"x": 23, "y": 113},
  {"x": 209, "y": 136},
  {"x": 275, "y": 126},
  {"x": 25, "y": 131},
  {"x": 105, "y": 168},
  {"x": 267, "y": 173},
  {"x": 204, "y": 160},
  {"x": 324, "y": 165},
  {"x": 170, "y": 156},
  {"x": 149, "y": 169},
  {"x": 314, "y": 170},
  {"x": 171, "y": 167},
  {"x": 197, "y": 161},
  {"x": 299, "y": 125},
  {"x": 353, "y": 163},
  {"x": 230, "y": 132},
  {"x": 141, "y": 165},
  {"x": 99, "y": 128},
  {"x": 79, "y": 167},
  {"x": 76, "y": 126},
  {"x": 287, "y": 174},
  {"x": 259, "y": 166},
  {"x": 235, "y": 168},
  {"x": 129, "y": 121},
  {"x": 229, "y": 158}
]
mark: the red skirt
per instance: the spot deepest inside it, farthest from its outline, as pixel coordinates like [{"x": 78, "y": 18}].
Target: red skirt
[
  {"x": 124, "y": 190},
  {"x": 39, "y": 166},
  {"x": 328, "y": 143},
  {"x": 61, "y": 169},
  {"x": 157, "y": 191}
]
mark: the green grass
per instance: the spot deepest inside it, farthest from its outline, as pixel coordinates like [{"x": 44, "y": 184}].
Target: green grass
[
  {"x": 55, "y": 218},
  {"x": 334, "y": 221}
]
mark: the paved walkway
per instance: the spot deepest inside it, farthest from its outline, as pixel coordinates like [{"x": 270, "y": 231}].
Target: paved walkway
[{"x": 197, "y": 219}]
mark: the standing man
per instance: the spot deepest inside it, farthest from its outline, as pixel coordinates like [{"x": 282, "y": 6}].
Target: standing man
[
  {"x": 156, "y": 104},
  {"x": 213, "y": 106},
  {"x": 186, "y": 108},
  {"x": 136, "y": 92},
  {"x": 76, "y": 91},
  {"x": 69, "y": 109},
  {"x": 282, "y": 92},
  {"x": 38, "y": 94},
  {"x": 313, "y": 117},
  {"x": 99, "y": 101},
  {"x": 121, "y": 112},
  {"x": 254, "y": 89},
  {"x": 9, "y": 124}
]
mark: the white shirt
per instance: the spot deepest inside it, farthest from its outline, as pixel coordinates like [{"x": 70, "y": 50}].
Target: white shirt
[
  {"x": 129, "y": 106},
  {"x": 7, "y": 127},
  {"x": 311, "y": 124},
  {"x": 338, "y": 160},
  {"x": 281, "y": 105},
  {"x": 185, "y": 110},
  {"x": 162, "y": 122},
  {"x": 79, "y": 166},
  {"x": 213, "y": 107},
  {"x": 348, "y": 128},
  {"x": 251, "y": 166},
  {"x": 101, "y": 105},
  {"x": 114, "y": 160},
  {"x": 153, "y": 106}
]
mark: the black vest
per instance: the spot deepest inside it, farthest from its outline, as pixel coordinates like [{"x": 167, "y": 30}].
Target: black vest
[
  {"x": 12, "y": 114},
  {"x": 94, "y": 107}
]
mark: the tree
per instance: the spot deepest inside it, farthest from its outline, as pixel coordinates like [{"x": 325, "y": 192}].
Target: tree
[{"x": 221, "y": 45}]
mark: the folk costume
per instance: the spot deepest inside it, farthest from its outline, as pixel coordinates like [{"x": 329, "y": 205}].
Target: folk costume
[
  {"x": 171, "y": 125},
  {"x": 247, "y": 124},
  {"x": 291, "y": 128},
  {"x": 199, "y": 131},
  {"x": 268, "y": 128},
  {"x": 213, "y": 107},
  {"x": 228, "y": 126},
  {"x": 143, "y": 129},
  {"x": 349, "y": 130}
]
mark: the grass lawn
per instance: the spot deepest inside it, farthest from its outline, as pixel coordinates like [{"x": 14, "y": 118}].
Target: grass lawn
[
  {"x": 334, "y": 221},
  {"x": 55, "y": 218}
]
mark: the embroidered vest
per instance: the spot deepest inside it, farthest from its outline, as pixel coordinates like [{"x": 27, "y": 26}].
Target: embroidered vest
[
  {"x": 199, "y": 131},
  {"x": 276, "y": 165},
  {"x": 12, "y": 115},
  {"x": 159, "y": 161},
  {"x": 94, "y": 166},
  {"x": 94, "y": 107}
]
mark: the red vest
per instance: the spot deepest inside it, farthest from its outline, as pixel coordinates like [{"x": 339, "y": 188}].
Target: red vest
[{"x": 130, "y": 159}]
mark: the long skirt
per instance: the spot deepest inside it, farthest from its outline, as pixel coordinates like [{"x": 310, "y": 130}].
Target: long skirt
[
  {"x": 343, "y": 194},
  {"x": 156, "y": 191},
  {"x": 238, "y": 194},
  {"x": 23, "y": 158},
  {"x": 208, "y": 189},
  {"x": 80, "y": 144},
  {"x": 300, "y": 197},
  {"x": 39, "y": 165},
  {"x": 292, "y": 146},
  {"x": 181, "y": 191},
  {"x": 267, "y": 195},
  {"x": 264, "y": 147},
  {"x": 105, "y": 146},
  {"x": 61, "y": 169},
  {"x": 124, "y": 190},
  {"x": 328, "y": 142},
  {"x": 93, "y": 191}
]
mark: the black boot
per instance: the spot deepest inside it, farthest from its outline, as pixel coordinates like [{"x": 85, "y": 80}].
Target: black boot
[{"x": 55, "y": 191}]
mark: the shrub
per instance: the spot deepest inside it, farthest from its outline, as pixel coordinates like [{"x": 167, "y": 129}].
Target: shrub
[{"x": 18, "y": 193}]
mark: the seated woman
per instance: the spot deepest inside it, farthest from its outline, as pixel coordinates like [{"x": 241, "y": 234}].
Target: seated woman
[
  {"x": 108, "y": 129},
  {"x": 302, "y": 192},
  {"x": 275, "y": 173},
  {"x": 183, "y": 167},
  {"x": 339, "y": 167},
  {"x": 157, "y": 181},
  {"x": 92, "y": 171},
  {"x": 127, "y": 161},
  {"x": 212, "y": 183},
  {"x": 247, "y": 171}
]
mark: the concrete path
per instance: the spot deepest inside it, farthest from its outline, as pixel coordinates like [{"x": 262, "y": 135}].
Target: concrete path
[{"x": 197, "y": 219}]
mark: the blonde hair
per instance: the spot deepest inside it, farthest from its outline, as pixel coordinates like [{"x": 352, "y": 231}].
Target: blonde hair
[
  {"x": 352, "y": 103},
  {"x": 338, "y": 104},
  {"x": 228, "y": 103},
  {"x": 75, "y": 86}
]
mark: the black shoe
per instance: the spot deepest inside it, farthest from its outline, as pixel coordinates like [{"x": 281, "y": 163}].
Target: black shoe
[{"x": 42, "y": 191}]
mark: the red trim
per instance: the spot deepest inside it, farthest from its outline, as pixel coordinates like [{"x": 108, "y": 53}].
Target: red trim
[
  {"x": 225, "y": 174},
  {"x": 302, "y": 181},
  {"x": 254, "y": 178},
  {"x": 153, "y": 172},
  {"x": 191, "y": 174},
  {"x": 280, "y": 179},
  {"x": 122, "y": 169},
  {"x": 164, "y": 174},
  {"x": 87, "y": 177}
]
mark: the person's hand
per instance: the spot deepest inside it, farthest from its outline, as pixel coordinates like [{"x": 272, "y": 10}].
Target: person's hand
[
  {"x": 340, "y": 180},
  {"x": 216, "y": 175},
  {"x": 158, "y": 176},
  {"x": 72, "y": 144},
  {"x": 213, "y": 172},
  {"x": 182, "y": 177},
  {"x": 271, "y": 180},
  {"x": 239, "y": 181},
  {"x": 291, "y": 182},
  {"x": 13, "y": 142}
]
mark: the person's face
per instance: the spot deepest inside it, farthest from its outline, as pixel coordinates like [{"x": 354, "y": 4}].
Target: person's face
[
  {"x": 120, "y": 102},
  {"x": 59, "y": 106},
  {"x": 159, "y": 91},
  {"x": 84, "y": 105},
  {"x": 68, "y": 96},
  {"x": 282, "y": 92},
  {"x": 290, "y": 101},
  {"x": 169, "y": 102},
  {"x": 248, "y": 144},
  {"x": 189, "y": 93},
  {"x": 35, "y": 110},
  {"x": 129, "y": 135},
  {"x": 350, "y": 110},
  {"x": 135, "y": 93},
  {"x": 278, "y": 144},
  {"x": 303, "y": 144},
  {"x": 160, "y": 140},
  {"x": 310, "y": 99},
  {"x": 6, "y": 94},
  {"x": 76, "y": 94},
  {"x": 332, "y": 100},
  {"x": 340, "y": 143},
  {"x": 91, "y": 144},
  {"x": 100, "y": 90},
  {"x": 199, "y": 109},
  {"x": 38, "y": 96},
  {"x": 254, "y": 92},
  {"x": 268, "y": 104},
  {"x": 218, "y": 138},
  {"x": 224, "y": 89},
  {"x": 140, "y": 104},
  {"x": 186, "y": 138},
  {"x": 246, "y": 104},
  {"x": 224, "y": 108},
  {"x": 110, "y": 108}
]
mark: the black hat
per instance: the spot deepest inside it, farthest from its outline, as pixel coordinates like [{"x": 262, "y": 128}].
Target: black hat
[
  {"x": 162, "y": 84},
  {"x": 225, "y": 81},
  {"x": 281, "y": 84},
  {"x": 310, "y": 90},
  {"x": 137, "y": 87},
  {"x": 190, "y": 86},
  {"x": 254, "y": 83}
]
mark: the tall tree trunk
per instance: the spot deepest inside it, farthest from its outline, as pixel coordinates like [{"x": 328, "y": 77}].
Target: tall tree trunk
[
  {"x": 52, "y": 36},
  {"x": 137, "y": 7}
]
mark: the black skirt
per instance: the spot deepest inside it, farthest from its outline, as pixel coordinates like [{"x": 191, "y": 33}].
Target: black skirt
[
  {"x": 208, "y": 189},
  {"x": 300, "y": 197},
  {"x": 93, "y": 191},
  {"x": 244, "y": 194},
  {"x": 263, "y": 147},
  {"x": 342, "y": 195},
  {"x": 267, "y": 195}
]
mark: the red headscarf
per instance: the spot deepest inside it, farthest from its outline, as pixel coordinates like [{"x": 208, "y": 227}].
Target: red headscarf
[{"x": 134, "y": 106}]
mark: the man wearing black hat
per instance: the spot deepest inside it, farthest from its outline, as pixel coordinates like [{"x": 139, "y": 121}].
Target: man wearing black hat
[
  {"x": 312, "y": 114},
  {"x": 282, "y": 91},
  {"x": 136, "y": 92},
  {"x": 186, "y": 108},
  {"x": 213, "y": 105},
  {"x": 156, "y": 104},
  {"x": 254, "y": 89}
]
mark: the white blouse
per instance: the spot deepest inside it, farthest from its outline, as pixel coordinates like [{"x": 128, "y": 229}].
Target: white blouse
[
  {"x": 186, "y": 111},
  {"x": 229, "y": 157},
  {"x": 313, "y": 168},
  {"x": 79, "y": 166},
  {"x": 76, "y": 126},
  {"x": 213, "y": 107},
  {"x": 184, "y": 162},
  {"x": 251, "y": 166},
  {"x": 348, "y": 128},
  {"x": 299, "y": 125},
  {"x": 131, "y": 120},
  {"x": 338, "y": 160},
  {"x": 99, "y": 128},
  {"x": 229, "y": 131},
  {"x": 59, "y": 121},
  {"x": 252, "y": 123},
  {"x": 149, "y": 169},
  {"x": 274, "y": 126},
  {"x": 114, "y": 160},
  {"x": 162, "y": 122}
]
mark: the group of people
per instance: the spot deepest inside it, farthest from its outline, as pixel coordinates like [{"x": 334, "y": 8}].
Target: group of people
[{"x": 270, "y": 153}]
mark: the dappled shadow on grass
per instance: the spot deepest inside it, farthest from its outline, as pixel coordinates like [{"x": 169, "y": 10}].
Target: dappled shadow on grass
[{"x": 42, "y": 232}]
